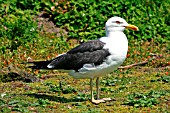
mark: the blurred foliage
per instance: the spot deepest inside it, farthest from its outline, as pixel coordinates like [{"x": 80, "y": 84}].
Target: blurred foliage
[
  {"x": 17, "y": 24},
  {"x": 18, "y": 30},
  {"x": 85, "y": 19},
  {"x": 10, "y": 6}
]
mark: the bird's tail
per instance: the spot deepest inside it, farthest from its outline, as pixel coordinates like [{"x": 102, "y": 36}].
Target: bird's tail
[{"x": 39, "y": 64}]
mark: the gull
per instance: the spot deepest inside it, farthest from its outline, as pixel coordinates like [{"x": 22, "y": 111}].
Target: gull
[{"x": 94, "y": 58}]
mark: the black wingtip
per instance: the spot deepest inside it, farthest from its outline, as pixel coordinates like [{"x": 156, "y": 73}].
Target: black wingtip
[
  {"x": 33, "y": 67},
  {"x": 38, "y": 64}
]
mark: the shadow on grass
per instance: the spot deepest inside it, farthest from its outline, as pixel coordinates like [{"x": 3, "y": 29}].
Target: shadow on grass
[{"x": 57, "y": 98}]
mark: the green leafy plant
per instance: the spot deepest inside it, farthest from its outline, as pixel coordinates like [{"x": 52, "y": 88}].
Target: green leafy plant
[
  {"x": 69, "y": 89},
  {"x": 53, "y": 88},
  {"x": 60, "y": 88},
  {"x": 18, "y": 31},
  {"x": 11, "y": 6},
  {"x": 80, "y": 97},
  {"x": 143, "y": 100},
  {"x": 18, "y": 105},
  {"x": 164, "y": 79},
  {"x": 17, "y": 24},
  {"x": 109, "y": 82},
  {"x": 2, "y": 102},
  {"x": 41, "y": 102}
]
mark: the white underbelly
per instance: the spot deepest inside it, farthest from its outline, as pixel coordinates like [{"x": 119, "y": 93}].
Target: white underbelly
[{"x": 108, "y": 66}]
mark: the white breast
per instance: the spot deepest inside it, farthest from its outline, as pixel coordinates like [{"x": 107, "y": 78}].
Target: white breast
[{"x": 117, "y": 44}]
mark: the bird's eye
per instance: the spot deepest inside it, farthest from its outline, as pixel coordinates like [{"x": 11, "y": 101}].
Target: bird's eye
[{"x": 118, "y": 22}]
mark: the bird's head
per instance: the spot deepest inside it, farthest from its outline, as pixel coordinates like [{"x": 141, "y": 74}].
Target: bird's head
[{"x": 118, "y": 24}]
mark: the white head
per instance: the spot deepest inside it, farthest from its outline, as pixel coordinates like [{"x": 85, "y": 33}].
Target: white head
[{"x": 118, "y": 24}]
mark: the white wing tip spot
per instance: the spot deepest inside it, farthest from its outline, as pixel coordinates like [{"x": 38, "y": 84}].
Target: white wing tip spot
[{"x": 49, "y": 66}]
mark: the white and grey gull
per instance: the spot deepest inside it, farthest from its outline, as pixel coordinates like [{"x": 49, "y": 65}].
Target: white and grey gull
[{"x": 95, "y": 58}]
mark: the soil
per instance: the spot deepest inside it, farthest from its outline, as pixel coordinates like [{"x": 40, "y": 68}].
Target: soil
[
  {"x": 13, "y": 73},
  {"x": 46, "y": 25}
]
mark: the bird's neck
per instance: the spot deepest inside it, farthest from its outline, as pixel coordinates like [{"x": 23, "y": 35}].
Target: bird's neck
[
  {"x": 111, "y": 34},
  {"x": 111, "y": 31},
  {"x": 118, "y": 40},
  {"x": 117, "y": 43}
]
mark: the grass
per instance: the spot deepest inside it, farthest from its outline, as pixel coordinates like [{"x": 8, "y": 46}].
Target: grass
[
  {"x": 139, "y": 89},
  {"x": 38, "y": 97}
]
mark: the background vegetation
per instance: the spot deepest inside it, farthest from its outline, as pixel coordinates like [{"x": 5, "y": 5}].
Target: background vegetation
[{"x": 23, "y": 37}]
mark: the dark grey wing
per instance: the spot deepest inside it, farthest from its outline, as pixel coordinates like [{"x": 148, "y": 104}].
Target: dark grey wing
[
  {"x": 91, "y": 52},
  {"x": 77, "y": 60},
  {"x": 88, "y": 46}
]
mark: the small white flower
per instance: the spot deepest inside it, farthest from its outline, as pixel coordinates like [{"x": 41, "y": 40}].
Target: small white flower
[
  {"x": 32, "y": 29},
  {"x": 3, "y": 94},
  {"x": 150, "y": 14}
]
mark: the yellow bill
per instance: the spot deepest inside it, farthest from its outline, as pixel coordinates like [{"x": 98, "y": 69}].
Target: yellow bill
[{"x": 132, "y": 27}]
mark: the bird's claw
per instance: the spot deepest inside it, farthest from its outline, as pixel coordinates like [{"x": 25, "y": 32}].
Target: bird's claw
[
  {"x": 98, "y": 101},
  {"x": 107, "y": 99}
]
